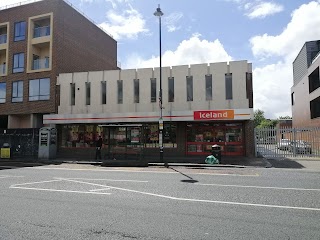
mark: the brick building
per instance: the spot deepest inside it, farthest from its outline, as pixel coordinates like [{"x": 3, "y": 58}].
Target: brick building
[{"x": 38, "y": 41}]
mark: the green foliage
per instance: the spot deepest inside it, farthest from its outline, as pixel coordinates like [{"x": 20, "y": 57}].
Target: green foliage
[{"x": 261, "y": 122}]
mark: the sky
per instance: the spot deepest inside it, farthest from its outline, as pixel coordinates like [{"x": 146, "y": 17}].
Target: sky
[{"x": 269, "y": 34}]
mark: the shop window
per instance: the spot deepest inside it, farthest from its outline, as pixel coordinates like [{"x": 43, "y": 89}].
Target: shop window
[
  {"x": 171, "y": 89},
  {"x": 208, "y": 87},
  {"x": 151, "y": 132},
  {"x": 17, "y": 91},
  {"x": 228, "y": 84},
  {"x": 88, "y": 93},
  {"x": 103, "y": 92},
  {"x": 189, "y": 88},
  {"x": 153, "y": 89},
  {"x": 80, "y": 135},
  {"x": 3, "y": 92},
  {"x": 73, "y": 93},
  {"x": 120, "y": 91},
  {"x": 136, "y": 90}
]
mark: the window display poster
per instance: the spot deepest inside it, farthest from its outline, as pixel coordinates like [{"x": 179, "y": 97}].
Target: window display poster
[
  {"x": 135, "y": 135},
  {"x": 74, "y": 133}
]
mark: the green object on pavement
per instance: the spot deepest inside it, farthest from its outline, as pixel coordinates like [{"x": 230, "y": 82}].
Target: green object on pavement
[{"x": 212, "y": 160}]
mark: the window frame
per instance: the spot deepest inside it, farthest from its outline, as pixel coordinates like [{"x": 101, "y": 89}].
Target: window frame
[
  {"x": 103, "y": 92},
  {"x": 228, "y": 86},
  {"x": 189, "y": 88},
  {"x": 3, "y": 99},
  {"x": 208, "y": 87},
  {"x": 170, "y": 89},
  {"x": 20, "y": 31},
  {"x": 18, "y": 97},
  {"x": 120, "y": 91},
  {"x": 39, "y": 97},
  {"x": 153, "y": 90},
  {"x": 136, "y": 90},
  {"x": 19, "y": 68},
  {"x": 88, "y": 93}
]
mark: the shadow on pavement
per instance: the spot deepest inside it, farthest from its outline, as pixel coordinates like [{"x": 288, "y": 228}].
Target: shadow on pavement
[
  {"x": 285, "y": 163},
  {"x": 22, "y": 163},
  {"x": 189, "y": 180}
]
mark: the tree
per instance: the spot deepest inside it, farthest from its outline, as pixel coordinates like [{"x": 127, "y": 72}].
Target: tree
[{"x": 258, "y": 117}]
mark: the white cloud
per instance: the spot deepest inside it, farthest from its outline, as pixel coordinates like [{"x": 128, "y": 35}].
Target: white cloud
[
  {"x": 263, "y": 9},
  {"x": 257, "y": 8},
  {"x": 191, "y": 51},
  {"x": 304, "y": 26},
  {"x": 272, "y": 83},
  {"x": 128, "y": 24},
  {"x": 171, "y": 21}
]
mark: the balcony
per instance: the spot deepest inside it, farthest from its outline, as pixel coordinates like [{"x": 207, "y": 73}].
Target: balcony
[
  {"x": 40, "y": 64},
  {"x": 3, "y": 69},
  {"x": 41, "y": 31},
  {"x": 3, "y": 38}
]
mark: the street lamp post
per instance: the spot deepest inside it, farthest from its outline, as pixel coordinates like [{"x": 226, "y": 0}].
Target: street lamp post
[{"x": 159, "y": 13}]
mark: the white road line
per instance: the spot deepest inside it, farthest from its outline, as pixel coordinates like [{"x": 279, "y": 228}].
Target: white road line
[
  {"x": 8, "y": 176},
  {"x": 101, "y": 189},
  {"x": 198, "y": 200},
  {"x": 21, "y": 184},
  {"x": 110, "y": 180},
  {"x": 57, "y": 190},
  {"x": 131, "y": 171},
  {"x": 259, "y": 187}
]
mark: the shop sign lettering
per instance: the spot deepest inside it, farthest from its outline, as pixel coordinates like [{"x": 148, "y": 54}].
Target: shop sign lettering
[{"x": 212, "y": 115}]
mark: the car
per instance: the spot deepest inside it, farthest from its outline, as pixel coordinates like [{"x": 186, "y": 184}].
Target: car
[
  {"x": 283, "y": 144},
  {"x": 300, "y": 146}
]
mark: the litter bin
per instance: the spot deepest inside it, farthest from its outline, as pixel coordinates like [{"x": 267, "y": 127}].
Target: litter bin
[
  {"x": 216, "y": 152},
  {"x": 5, "y": 151}
]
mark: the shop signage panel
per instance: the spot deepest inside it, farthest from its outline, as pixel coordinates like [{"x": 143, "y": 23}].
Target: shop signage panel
[{"x": 213, "y": 115}]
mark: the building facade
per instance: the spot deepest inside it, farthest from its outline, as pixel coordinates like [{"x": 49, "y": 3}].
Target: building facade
[
  {"x": 305, "y": 93},
  {"x": 203, "y": 105},
  {"x": 38, "y": 41}
]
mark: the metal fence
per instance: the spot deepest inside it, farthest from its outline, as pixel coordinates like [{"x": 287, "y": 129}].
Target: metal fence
[
  {"x": 23, "y": 142},
  {"x": 287, "y": 142}
]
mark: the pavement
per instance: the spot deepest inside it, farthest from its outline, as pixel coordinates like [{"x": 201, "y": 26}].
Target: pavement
[{"x": 228, "y": 162}]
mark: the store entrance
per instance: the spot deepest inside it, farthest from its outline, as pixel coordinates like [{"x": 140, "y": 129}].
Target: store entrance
[
  {"x": 202, "y": 135},
  {"x": 123, "y": 141}
]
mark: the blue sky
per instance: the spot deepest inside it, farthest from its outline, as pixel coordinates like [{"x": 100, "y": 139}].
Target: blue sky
[{"x": 269, "y": 34}]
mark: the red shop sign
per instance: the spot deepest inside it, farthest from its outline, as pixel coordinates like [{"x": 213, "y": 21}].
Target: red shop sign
[{"x": 212, "y": 115}]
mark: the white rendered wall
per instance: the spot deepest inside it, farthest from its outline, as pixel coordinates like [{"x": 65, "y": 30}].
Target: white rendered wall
[{"x": 198, "y": 71}]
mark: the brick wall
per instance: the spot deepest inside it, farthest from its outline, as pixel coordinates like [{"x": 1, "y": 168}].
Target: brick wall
[{"x": 78, "y": 45}]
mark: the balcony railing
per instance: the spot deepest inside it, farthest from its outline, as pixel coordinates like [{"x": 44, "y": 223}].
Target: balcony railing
[
  {"x": 3, "y": 38},
  {"x": 40, "y": 63},
  {"x": 41, "y": 31},
  {"x": 2, "y": 69}
]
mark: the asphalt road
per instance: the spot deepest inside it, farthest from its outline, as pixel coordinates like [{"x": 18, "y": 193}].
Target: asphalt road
[{"x": 90, "y": 202}]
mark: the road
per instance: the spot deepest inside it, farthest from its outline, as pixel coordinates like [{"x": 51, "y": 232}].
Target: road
[{"x": 72, "y": 201}]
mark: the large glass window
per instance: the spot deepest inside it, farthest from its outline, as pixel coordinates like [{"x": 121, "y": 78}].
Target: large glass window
[
  {"x": 19, "y": 31},
  {"x": 103, "y": 92},
  {"x": 18, "y": 63},
  {"x": 136, "y": 89},
  {"x": 314, "y": 80},
  {"x": 153, "y": 89},
  {"x": 189, "y": 88},
  {"x": 17, "y": 91},
  {"x": 3, "y": 92},
  {"x": 208, "y": 87},
  {"x": 73, "y": 94},
  {"x": 120, "y": 91},
  {"x": 228, "y": 79},
  {"x": 151, "y": 137},
  {"x": 39, "y": 89},
  {"x": 171, "y": 89},
  {"x": 88, "y": 93},
  {"x": 315, "y": 108}
]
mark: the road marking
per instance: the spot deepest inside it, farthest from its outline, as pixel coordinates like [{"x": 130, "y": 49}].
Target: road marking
[
  {"x": 8, "y": 176},
  {"x": 242, "y": 186},
  {"x": 197, "y": 200},
  {"x": 134, "y": 171},
  {"x": 58, "y": 190},
  {"x": 21, "y": 184},
  {"x": 101, "y": 189},
  {"x": 110, "y": 180}
]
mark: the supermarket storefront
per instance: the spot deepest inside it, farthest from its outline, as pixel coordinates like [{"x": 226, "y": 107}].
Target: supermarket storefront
[{"x": 185, "y": 133}]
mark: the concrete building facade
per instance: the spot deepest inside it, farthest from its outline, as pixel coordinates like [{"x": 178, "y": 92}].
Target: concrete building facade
[
  {"x": 305, "y": 93},
  {"x": 203, "y": 104}
]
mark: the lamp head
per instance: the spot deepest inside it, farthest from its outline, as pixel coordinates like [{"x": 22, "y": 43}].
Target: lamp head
[{"x": 158, "y": 12}]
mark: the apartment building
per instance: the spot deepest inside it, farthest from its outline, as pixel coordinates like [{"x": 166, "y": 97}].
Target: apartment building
[
  {"x": 38, "y": 41},
  {"x": 305, "y": 93},
  {"x": 203, "y": 105}
]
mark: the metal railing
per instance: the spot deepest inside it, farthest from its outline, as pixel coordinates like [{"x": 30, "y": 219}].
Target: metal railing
[
  {"x": 288, "y": 142},
  {"x": 3, "y": 38},
  {"x": 41, "y": 31},
  {"x": 3, "y": 69},
  {"x": 40, "y": 63}
]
